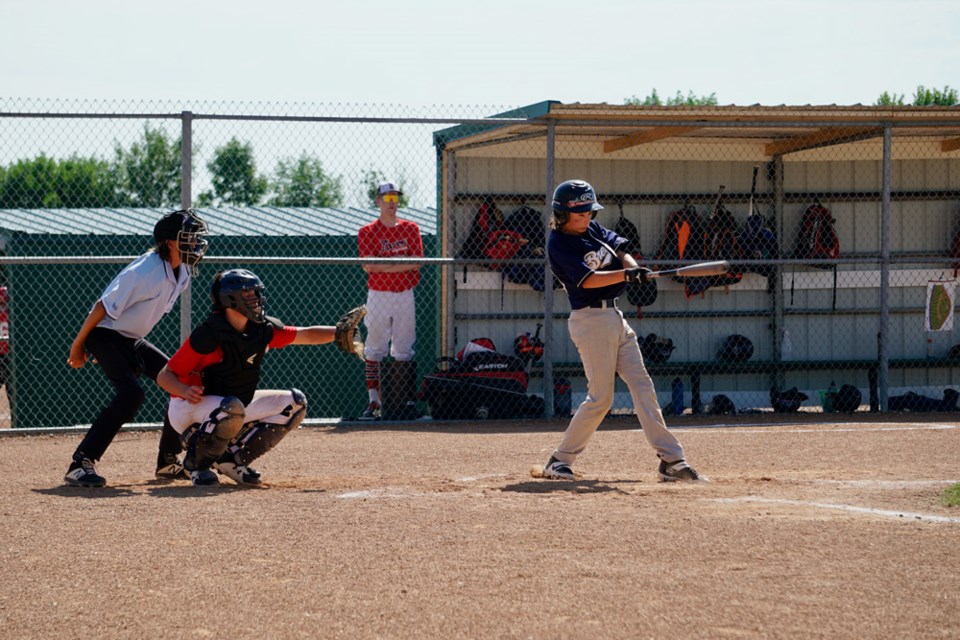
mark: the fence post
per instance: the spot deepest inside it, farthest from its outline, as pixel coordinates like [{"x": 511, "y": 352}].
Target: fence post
[
  {"x": 548, "y": 281},
  {"x": 883, "y": 338},
  {"x": 186, "y": 201}
]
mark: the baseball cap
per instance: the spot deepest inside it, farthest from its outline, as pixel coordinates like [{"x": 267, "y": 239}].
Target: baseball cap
[{"x": 388, "y": 187}]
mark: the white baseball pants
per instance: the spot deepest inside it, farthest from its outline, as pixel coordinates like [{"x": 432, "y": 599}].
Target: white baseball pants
[
  {"x": 391, "y": 325},
  {"x": 266, "y": 406}
]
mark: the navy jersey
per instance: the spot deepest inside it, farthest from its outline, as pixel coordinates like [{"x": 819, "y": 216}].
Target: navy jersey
[{"x": 574, "y": 258}]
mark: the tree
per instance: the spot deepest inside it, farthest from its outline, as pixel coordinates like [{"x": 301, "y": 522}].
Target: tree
[
  {"x": 149, "y": 172},
  {"x": 689, "y": 100},
  {"x": 45, "y": 182},
  {"x": 234, "y": 176},
  {"x": 934, "y": 97},
  {"x": 373, "y": 178},
  {"x": 302, "y": 182},
  {"x": 923, "y": 97}
]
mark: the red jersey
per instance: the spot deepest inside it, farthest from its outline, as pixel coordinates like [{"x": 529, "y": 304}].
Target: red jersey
[
  {"x": 376, "y": 240},
  {"x": 187, "y": 363}
]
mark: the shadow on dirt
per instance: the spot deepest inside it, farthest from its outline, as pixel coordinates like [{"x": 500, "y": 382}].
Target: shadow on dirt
[
  {"x": 66, "y": 491},
  {"x": 565, "y": 486}
]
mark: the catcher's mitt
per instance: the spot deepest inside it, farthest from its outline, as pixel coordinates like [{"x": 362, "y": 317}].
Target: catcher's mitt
[{"x": 347, "y": 337}]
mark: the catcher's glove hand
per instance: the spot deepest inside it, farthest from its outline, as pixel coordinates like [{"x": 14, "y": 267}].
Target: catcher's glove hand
[{"x": 347, "y": 337}]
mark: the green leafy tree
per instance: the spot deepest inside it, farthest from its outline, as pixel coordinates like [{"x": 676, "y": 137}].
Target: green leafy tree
[
  {"x": 934, "y": 97},
  {"x": 149, "y": 171},
  {"x": 923, "y": 97},
  {"x": 373, "y": 178},
  {"x": 679, "y": 99},
  {"x": 302, "y": 182},
  {"x": 234, "y": 176},
  {"x": 45, "y": 182},
  {"x": 889, "y": 100},
  {"x": 88, "y": 183}
]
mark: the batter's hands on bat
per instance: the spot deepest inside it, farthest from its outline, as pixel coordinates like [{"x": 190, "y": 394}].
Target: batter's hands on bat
[
  {"x": 347, "y": 336},
  {"x": 636, "y": 274}
]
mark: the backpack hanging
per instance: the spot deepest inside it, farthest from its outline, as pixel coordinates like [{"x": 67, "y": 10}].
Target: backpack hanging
[
  {"x": 759, "y": 242},
  {"x": 527, "y": 224},
  {"x": 723, "y": 243},
  {"x": 489, "y": 239},
  {"x": 684, "y": 239},
  {"x": 641, "y": 294},
  {"x": 817, "y": 239}
]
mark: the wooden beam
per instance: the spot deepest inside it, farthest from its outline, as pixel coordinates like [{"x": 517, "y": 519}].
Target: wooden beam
[
  {"x": 643, "y": 137},
  {"x": 821, "y": 138},
  {"x": 950, "y": 145}
]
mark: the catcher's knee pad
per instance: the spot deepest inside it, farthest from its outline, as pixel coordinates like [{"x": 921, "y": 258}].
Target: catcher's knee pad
[
  {"x": 210, "y": 439},
  {"x": 256, "y": 438}
]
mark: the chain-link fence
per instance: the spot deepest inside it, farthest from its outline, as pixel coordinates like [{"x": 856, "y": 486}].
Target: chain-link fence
[{"x": 839, "y": 224}]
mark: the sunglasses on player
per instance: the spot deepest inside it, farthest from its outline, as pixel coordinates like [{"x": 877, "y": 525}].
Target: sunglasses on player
[{"x": 390, "y": 197}]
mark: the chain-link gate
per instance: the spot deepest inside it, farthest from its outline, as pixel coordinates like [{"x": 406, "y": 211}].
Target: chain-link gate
[{"x": 839, "y": 224}]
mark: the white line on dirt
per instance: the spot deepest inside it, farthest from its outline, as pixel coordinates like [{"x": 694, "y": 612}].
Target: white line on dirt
[
  {"x": 845, "y": 507},
  {"x": 727, "y": 428},
  {"x": 888, "y": 484}
]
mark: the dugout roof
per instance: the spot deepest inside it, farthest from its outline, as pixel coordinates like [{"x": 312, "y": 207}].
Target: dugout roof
[{"x": 223, "y": 221}]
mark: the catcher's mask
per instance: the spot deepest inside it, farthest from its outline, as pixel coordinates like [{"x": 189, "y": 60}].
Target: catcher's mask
[
  {"x": 189, "y": 230},
  {"x": 242, "y": 291},
  {"x": 574, "y": 196}
]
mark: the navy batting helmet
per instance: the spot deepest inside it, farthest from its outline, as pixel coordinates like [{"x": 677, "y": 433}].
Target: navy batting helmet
[
  {"x": 242, "y": 291},
  {"x": 574, "y": 196}
]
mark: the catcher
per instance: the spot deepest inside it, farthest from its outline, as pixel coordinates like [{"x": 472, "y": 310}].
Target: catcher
[{"x": 224, "y": 421}]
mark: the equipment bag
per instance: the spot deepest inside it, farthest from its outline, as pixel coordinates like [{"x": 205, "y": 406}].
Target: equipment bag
[
  {"x": 723, "y": 243},
  {"x": 489, "y": 238},
  {"x": 479, "y": 384},
  {"x": 817, "y": 239},
  {"x": 759, "y": 242},
  {"x": 641, "y": 294},
  {"x": 527, "y": 228},
  {"x": 684, "y": 239}
]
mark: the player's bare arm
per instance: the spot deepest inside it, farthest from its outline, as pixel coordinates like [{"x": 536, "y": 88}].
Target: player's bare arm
[
  {"x": 314, "y": 335},
  {"x": 168, "y": 381}
]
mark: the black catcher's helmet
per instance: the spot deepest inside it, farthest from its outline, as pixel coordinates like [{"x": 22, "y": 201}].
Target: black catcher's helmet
[
  {"x": 242, "y": 291},
  {"x": 189, "y": 230},
  {"x": 573, "y": 196}
]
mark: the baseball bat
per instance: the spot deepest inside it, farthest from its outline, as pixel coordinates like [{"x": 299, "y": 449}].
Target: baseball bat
[
  {"x": 716, "y": 268},
  {"x": 753, "y": 189}
]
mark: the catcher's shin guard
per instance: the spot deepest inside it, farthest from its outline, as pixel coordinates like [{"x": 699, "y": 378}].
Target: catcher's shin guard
[
  {"x": 206, "y": 442},
  {"x": 256, "y": 438}
]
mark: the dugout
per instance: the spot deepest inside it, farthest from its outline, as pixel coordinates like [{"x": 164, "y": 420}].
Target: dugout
[
  {"x": 889, "y": 175},
  {"x": 62, "y": 274}
]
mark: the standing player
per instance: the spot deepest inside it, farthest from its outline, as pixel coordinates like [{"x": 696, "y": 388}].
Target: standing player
[
  {"x": 391, "y": 311},
  {"x": 594, "y": 265},
  {"x": 221, "y": 416},
  {"x": 115, "y": 333}
]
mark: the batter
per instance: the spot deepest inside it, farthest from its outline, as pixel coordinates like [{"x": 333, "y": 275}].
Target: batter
[{"x": 594, "y": 264}]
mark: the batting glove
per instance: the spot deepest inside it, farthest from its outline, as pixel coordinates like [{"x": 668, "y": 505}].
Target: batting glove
[{"x": 636, "y": 274}]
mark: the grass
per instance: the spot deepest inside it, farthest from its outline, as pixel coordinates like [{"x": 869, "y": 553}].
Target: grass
[{"x": 951, "y": 497}]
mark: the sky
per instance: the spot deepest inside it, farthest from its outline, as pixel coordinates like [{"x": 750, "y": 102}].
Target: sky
[{"x": 496, "y": 52}]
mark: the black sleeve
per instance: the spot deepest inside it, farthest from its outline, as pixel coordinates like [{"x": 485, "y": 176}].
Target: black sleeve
[{"x": 203, "y": 339}]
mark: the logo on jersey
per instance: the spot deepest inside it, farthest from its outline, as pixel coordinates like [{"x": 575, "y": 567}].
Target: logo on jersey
[
  {"x": 598, "y": 259},
  {"x": 395, "y": 248}
]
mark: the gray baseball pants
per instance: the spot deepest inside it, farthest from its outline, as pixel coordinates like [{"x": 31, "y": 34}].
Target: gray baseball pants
[{"x": 608, "y": 346}]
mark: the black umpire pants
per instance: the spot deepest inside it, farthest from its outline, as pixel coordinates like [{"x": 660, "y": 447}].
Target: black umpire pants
[{"x": 123, "y": 361}]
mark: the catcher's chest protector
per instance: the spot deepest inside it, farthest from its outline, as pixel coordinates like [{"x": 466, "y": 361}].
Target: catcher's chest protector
[{"x": 238, "y": 374}]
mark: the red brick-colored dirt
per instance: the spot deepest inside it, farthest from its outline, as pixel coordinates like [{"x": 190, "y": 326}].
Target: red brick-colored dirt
[{"x": 806, "y": 530}]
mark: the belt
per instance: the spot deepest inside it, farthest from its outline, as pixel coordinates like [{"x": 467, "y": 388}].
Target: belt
[{"x": 605, "y": 304}]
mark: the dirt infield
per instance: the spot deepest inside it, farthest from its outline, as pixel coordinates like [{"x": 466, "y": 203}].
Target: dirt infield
[{"x": 807, "y": 530}]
